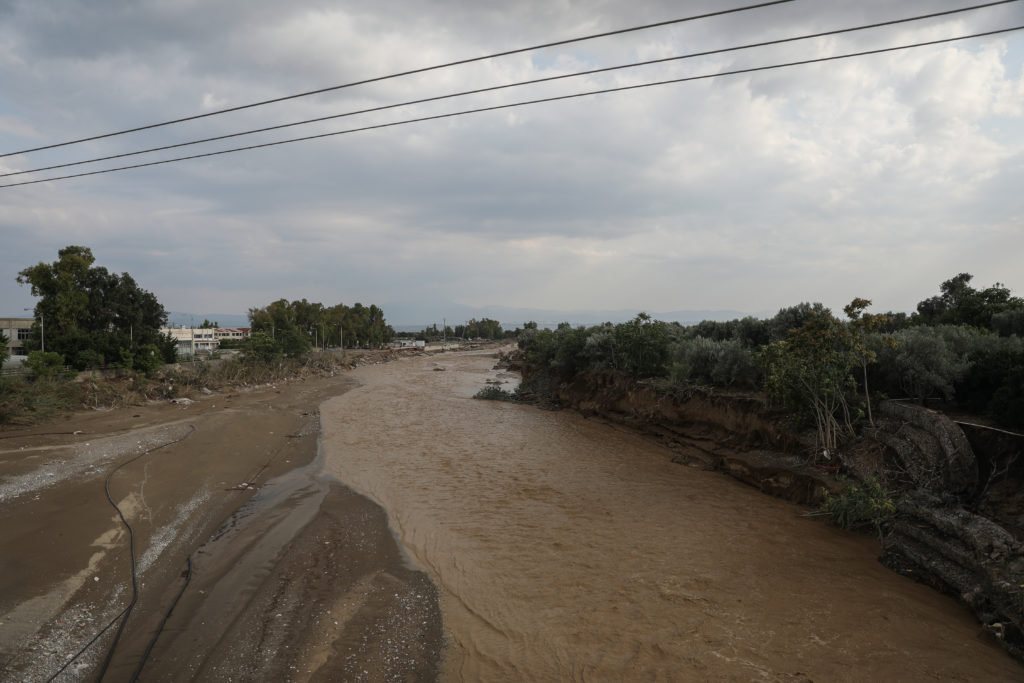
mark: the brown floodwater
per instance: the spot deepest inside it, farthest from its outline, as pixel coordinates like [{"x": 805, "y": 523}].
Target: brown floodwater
[{"x": 565, "y": 549}]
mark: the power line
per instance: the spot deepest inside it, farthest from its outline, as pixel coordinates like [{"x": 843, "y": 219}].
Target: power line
[
  {"x": 556, "y": 98},
  {"x": 535, "y": 81},
  {"x": 411, "y": 72}
]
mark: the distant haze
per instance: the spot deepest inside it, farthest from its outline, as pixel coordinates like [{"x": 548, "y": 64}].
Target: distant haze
[{"x": 406, "y": 318}]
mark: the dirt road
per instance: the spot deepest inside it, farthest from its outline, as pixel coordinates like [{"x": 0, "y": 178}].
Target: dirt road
[{"x": 293, "y": 577}]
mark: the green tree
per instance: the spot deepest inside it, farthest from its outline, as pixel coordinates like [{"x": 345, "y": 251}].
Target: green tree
[
  {"x": 809, "y": 371},
  {"x": 862, "y": 327},
  {"x": 925, "y": 360},
  {"x": 261, "y": 348},
  {"x": 4, "y": 351},
  {"x": 960, "y": 304},
  {"x": 90, "y": 311},
  {"x": 642, "y": 346},
  {"x": 792, "y": 318}
]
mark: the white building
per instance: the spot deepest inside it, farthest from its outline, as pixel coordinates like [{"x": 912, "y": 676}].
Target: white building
[
  {"x": 193, "y": 340},
  {"x": 17, "y": 330}
]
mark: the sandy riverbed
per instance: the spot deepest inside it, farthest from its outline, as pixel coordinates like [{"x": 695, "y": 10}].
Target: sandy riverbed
[{"x": 294, "y": 577}]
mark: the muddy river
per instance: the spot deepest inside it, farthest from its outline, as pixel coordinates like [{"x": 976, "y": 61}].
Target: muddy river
[{"x": 565, "y": 549}]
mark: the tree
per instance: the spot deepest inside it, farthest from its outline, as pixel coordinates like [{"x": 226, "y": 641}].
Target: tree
[
  {"x": 960, "y": 304},
  {"x": 91, "y": 312},
  {"x": 792, "y": 318},
  {"x": 262, "y": 348},
  {"x": 862, "y": 325},
  {"x": 207, "y": 325},
  {"x": 298, "y": 325},
  {"x": 4, "y": 351},
  {"x": 642, "y": 346},
  {"x": 928, "y": 360},
  {"x": 810, "y": 372}
]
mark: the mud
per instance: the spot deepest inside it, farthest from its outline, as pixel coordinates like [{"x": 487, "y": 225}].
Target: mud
[
  {"x": 294, "y": 577},
  {"x": 569, "y": 549}
]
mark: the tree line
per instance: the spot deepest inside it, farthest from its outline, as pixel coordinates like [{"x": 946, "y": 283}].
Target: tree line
[
  {"x": 293, "y": 328},
  {"x": 963, "y": 347},
  {"x": 88, "y": 317},
  {"x": 485, "y": 328}
]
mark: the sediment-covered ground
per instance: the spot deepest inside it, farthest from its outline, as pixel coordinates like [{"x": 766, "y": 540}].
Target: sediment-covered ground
[{"x": 293, "y": 577}]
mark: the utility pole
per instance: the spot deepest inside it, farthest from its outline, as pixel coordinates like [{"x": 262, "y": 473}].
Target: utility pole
[{"x": 444, "y": 333}]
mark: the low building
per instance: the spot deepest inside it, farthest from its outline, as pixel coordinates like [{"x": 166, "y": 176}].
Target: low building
[
  {"x": 193, "y": 340},
  {"x": 17, "y": 331},
  {"x": 408, "y": 344}
]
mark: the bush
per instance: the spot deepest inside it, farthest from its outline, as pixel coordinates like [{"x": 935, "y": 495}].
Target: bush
[
  {"x": 1007, "y": 404},
  {"x": 641, "y": 346},
  {"x": 493, "y": 393},
  {"x": 148, "y": 359},
  {"x": 859, "y": 506},
  {"x": 45, "y": 364},
  {"x": 262, "y": 348},
  {"x": 925, "y": 361}
]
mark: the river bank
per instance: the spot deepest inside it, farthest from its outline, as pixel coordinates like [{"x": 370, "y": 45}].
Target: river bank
[{"x": 293, "y": 577}]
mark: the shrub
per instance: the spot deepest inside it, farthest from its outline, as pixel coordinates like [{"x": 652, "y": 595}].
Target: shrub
[
  {"x": 45, "y": 364},
  {"x": 859, "y": 506},
  {"x": 926, "y": 361},
  {"x": 262, "y": 348},
  {"x": 148, "y": 359},
  {"x": 493, "y": 393},
  {"x": 642, "y": 346},
  {"x": 23, "y": 402}
]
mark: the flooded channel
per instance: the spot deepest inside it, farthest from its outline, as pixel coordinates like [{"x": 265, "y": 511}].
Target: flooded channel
[{"x": 568, "y": 550}]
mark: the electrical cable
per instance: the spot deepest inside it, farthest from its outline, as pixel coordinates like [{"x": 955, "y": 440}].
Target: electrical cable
[
  {"x": 86, "y": 646},
  {"x": 535, "y": 81},
  {"x": 411, "y": 72},
  {"x": 525, "y": 103},
  {"x": 126, "y": 612},
  {"x": 163, "y": 622},
  {"x": 131, "y": 538}
]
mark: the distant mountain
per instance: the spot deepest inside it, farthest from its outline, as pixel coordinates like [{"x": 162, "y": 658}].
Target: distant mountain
[{"x": 177, "y": 319}]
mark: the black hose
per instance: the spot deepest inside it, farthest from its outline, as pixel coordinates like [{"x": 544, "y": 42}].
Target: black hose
[
  {"x": 131, "y": 540},
  {"x": 86, "y": 646},
  {"x": 126, "y": 612},
  {"x": 163, "y": 622}
]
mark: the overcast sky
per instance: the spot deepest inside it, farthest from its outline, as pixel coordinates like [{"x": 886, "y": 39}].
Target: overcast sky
[{"x": 877, "y": 177}]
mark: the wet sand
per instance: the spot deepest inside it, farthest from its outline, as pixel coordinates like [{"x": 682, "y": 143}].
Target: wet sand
[{"x": 294, "y": 576}]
